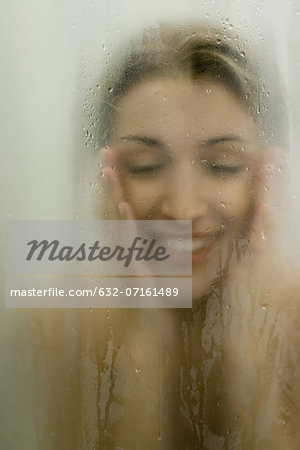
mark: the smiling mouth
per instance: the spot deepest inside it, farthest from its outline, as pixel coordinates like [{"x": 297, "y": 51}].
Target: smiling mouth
[
  {"x": 188, "y": 250},
  {"x": 185, "y": 245}
]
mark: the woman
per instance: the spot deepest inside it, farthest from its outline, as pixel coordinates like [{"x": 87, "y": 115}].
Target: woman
[{"x": 191, "y": 135}]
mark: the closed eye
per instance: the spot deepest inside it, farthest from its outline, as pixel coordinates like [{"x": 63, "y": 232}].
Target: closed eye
[
  {"x": 144, "y": 170},
  {"x": 222, "y": 168}
]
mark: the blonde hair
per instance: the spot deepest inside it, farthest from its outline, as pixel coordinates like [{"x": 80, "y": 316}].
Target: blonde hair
[{"x": 196, "y": 52}]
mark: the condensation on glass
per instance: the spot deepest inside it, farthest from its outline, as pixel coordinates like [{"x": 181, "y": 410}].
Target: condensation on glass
[{"x": 196, "y": 120}]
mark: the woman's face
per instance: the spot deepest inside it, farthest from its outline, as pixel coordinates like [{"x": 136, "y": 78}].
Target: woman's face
[{"x": 188, "y": 151}]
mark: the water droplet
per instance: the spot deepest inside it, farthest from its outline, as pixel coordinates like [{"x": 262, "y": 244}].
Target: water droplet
[
  {"x": 242, "y": 54},
  {"x": 208, "y": 91},
  {"x": 110, "y": 89},
  {"x": 137, "y": 370},
  {"x": 218, "y": 41}
]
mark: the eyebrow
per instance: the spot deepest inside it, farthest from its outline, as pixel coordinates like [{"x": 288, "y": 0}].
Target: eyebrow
[
  {"x": 154, "y": 142},
  {"x": 221, "y": 139},
  {"x": 150, "y": 141}
]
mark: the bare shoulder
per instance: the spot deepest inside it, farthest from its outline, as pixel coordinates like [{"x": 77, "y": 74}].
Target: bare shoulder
[
  {"x": 280, "y": 275},
  {"x": 282, "y": 280},
  {"x": 274, "y": 282}
]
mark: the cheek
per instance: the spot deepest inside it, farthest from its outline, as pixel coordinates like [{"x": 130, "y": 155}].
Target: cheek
[
  {"x": 236, "y": 198},
  {"x": 143, "y": 195}
]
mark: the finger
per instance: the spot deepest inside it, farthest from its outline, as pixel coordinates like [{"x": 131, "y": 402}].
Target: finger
[
  {"x": 108, "y": 157},
  {"x": 108, "y": 163},
  {"x": 265, "y": 177},
  {"x": 113, "y": 179},
  {"x": 126, "y": 211},
  {"x": 261, "y": 218},
  {"x": 259, "y": 228},
  {"x": 111, "y": 171}
]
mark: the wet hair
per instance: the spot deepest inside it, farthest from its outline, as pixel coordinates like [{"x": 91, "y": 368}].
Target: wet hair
[{"x": 197, "y": 52}]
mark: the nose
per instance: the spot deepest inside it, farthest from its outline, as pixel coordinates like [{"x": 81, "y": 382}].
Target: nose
[{"x": 184, "y": 197}]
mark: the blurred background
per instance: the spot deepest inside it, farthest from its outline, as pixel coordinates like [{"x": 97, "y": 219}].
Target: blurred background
[{"x": 52, "y": 54}]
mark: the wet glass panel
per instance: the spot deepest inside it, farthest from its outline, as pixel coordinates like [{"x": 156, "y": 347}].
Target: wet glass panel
[{"x": 135, "y": 111}]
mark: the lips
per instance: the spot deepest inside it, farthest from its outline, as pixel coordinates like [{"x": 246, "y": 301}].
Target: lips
[
  {"x": 184, "y": 245},
  {"x": 187, "y": 250}
]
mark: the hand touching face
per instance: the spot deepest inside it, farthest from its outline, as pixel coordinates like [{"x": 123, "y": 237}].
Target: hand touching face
[{"x": 188, "y": 151}]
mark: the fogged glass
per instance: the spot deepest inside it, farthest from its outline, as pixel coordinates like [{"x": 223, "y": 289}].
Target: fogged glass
[{"x": 118, "y": 112}]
